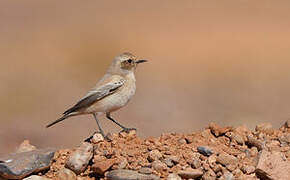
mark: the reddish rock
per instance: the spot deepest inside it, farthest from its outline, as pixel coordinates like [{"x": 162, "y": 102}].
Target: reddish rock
[
  {"x": 272, "y": 166},
  {"x": 100, "y": 167},
  {"x": 226, "y": 159},
  {"x": 190, "y": 173},
  {"x": 65, "y": 174},
  {"x": 217, "y": 130}
]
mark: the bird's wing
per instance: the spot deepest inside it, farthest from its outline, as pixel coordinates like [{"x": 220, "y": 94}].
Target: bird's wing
[{"x": 106, "y": 87}]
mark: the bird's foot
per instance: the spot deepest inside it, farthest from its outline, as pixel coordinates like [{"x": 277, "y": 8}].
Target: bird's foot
[{"x": 127, "y": 130}]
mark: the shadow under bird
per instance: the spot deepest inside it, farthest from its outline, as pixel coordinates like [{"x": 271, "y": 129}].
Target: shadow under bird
[{"x": 112, "y": 92}]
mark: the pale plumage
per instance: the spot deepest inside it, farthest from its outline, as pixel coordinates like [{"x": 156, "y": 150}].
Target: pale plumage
[{"x": 111, "y": 93}]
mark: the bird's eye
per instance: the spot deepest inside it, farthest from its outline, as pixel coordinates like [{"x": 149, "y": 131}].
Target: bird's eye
[{"x": 130, "y": 61}]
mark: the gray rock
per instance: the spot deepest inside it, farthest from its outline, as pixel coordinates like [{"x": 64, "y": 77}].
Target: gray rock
[
  {"x": 168, "y": 162},
  {"x": 19, "y": 165},
  {"x": 122, "y": 174},
  {"x": 190, "y": 173},
  {"x": 173, "y": 176},
  {"x": 228, "y": 176},
  {"x": 79, "y": 159},
  {"x": 34, "y": 177},
  {"x": 204, "y": 150}
]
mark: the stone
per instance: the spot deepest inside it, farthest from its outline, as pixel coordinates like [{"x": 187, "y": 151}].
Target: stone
[
  {"x": 20, "y": 165},
  {"x": 226, "y": 159},
  {"x": 154, "y": 155},
  {"x": 217, "y": 130},
  {"x": 145, "y": 170},
  {"x": 204, "y": 150},
  {"x": 79, "y": 159},
  {"x": 265, "y": 127},
  {"x": 255, "y": 142},
  {"x": 122, "y": 174},
  {"x": 25, "y": 146},
  {"x": 159, "y": 166},
  {"x": 168, "y": 162},
  {"x": 173, "y": 176},
  {"x": 270, "y": 166},
  {"x": 35, "y": 177},
  {"x": 190, "y": 173},
  {"x": 65, "y": 174},
  {"x": 97, "y": 137},
  {"x": 248, "y": 169},
  {"x": 100, "y": 167},
  {"x": 228, "y": 176}
]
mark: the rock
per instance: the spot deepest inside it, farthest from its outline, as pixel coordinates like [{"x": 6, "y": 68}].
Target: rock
[
  {"x": 190, "y": 173},
  {"x": 173, "y": 176},
  {"x": 154, "y": 155},
  {"x": 228, "y": 176},
  {"x": 19, "y": 165},
  {"x": 145, "y": 170},
  {"x": 79, "y": 159},
  {"x": 206, "y": 151},
  {"x": 25, "y": 146},
  {"x": 265, "y": 127},
  {"x": 168, "y": 162},
  {"x": 122, "y": 174},
  {"x": 35, "y": 177},
  {"x": 248, "y": 169},
  {"x": 97, "y": 137},
  {"x": 270, "y": 165},
  {"x": 226, "y": 159},
  {"x": 217, "y": 130},
  {"x": 65, "y": 174},
  {"x": 287, "y": 124},
  {"x": 256, "y": 143},
  {"x": 100, "y": 167},
  {"x": 131, "y": 134},
  {"x": 159, "y": 166}
]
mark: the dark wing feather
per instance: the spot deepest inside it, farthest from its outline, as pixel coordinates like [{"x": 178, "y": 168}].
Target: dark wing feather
[{"x": 96, "y": 95}]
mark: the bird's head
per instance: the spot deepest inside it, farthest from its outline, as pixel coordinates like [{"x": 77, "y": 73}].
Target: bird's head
[{"x": 125, "y": 63}]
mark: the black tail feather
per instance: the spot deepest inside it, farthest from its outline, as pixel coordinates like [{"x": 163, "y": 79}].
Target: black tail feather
[{"x": 57, "y": 121}]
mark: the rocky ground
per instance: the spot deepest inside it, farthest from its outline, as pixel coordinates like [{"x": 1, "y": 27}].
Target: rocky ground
[{"x": 224, "y": 153}]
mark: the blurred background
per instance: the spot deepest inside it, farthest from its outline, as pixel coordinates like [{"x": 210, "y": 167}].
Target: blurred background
[{"x": 221, "y": 61}]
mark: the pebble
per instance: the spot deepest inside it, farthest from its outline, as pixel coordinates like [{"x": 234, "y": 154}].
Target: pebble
[
  {"x": 79, "y": 159},
  {"x": 35, "y": 177},
  {"x": 217, "y": 130},
  {"x": 25, "y": 146},
  {"x": 168, "y": 162},
  {"x": 65, "y": 174},
  {"x": 145, "y": 170},
  {"x": 226, "y": 159},
  {"x": 190, "y": 173},
  {"x": 255, "y": 142},
  {"x": 173, "y": 176},
  {"x": 122, "y": 174},
  {"x": 265, "y": 127},
  {"x": 248, "y": 169},
  {"x": 20, "y": 165},
  {"x": 97, "y": 137},
  {"x": 100, "y": 167},
  {"x": 154, "y": 155},
  {"x": 159, "y": 166},
  {"x": 204, "y": 150}
]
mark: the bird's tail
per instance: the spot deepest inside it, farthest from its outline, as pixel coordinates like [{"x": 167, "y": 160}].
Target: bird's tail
[{"x": 58, "y": 120}]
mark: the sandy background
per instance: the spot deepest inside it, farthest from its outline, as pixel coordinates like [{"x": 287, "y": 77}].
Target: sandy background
[{"x": 223, "y": 61}]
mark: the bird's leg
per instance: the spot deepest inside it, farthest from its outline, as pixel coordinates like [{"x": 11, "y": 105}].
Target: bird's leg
[
  {"x": 108, "y": 115},
  {"x": 98, "y": 123}
]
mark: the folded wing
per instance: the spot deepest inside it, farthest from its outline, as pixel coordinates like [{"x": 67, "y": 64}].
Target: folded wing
[{"x": 107, "y": 87}]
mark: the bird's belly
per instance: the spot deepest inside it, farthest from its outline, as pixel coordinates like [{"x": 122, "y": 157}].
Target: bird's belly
[{"x": 114, "y": 101}]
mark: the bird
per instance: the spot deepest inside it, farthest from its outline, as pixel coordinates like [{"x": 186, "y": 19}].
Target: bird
[{"x": 112, "y": 92}]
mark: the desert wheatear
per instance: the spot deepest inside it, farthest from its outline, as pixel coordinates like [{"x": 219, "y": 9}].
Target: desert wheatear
[{"x": 111, "y": 93}]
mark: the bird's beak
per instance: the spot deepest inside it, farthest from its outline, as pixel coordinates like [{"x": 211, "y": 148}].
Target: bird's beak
[{"x": 141, "y": 61}]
